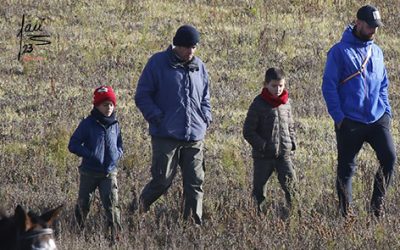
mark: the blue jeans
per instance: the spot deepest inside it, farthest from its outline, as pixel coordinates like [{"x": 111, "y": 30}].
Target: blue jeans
[{"x": 350, "y": 138}]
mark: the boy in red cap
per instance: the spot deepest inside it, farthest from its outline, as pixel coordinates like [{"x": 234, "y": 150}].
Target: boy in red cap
[{"x": 98, "y": 141}]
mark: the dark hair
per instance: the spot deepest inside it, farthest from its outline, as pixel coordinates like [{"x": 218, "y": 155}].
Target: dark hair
[{"x": 274, "y": 74}]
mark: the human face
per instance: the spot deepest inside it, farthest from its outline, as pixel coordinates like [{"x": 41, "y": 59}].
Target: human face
[
  {"x": 185, "y": 53},
  {"x": 275, "y": 87},
  {"x": 106, "y": 108},
  {"x": 364, "y": 31}
]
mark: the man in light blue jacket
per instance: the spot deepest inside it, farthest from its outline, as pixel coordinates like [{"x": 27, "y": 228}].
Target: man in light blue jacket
[
  {"x": 173, "y": 96},
  {"x": 355, "y": 88}
]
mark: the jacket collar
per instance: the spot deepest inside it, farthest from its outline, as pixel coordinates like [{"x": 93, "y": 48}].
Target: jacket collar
[
  {"x": 103, "y": 120},
  {"x": 176, "y": 62},
  {"x": 349, "y": 37}
]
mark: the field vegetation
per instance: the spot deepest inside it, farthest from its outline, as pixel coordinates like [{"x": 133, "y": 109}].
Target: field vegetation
[{"x": 42, "y": 100}]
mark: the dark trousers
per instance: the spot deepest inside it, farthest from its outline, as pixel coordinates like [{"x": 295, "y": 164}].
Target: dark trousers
[
  {"x": 350, "y": 138},
  {"x": 167, "y": 155},
  {"x": 263, "y": 169}
]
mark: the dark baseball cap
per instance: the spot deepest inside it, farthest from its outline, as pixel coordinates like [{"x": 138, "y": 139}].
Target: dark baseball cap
[{"x": 371, "y": 15}]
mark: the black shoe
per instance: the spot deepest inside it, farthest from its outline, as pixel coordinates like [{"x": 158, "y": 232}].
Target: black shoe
[
  {"x": 378, "y": 212},
  {"x": 133, "y": 206},
  {"x": 143, "y": 208},
  {"x": 348, "y": 213},
  {"x": 377, "y": 208},
  {"x": 79, "y": 219}
]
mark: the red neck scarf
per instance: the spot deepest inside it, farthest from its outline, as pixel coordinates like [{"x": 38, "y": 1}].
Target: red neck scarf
[{"x": 273, "y": 100}]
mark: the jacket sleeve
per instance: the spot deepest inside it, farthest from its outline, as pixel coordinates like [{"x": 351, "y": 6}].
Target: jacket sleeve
[
  {"x": 205, "y": 102},
  {"x": 330, "y": 84},
  {"x": 250, "y": 129},
  {"x": 145, "y": 92},
  {"x": 76, "y": 143},
  {"x": 292, "y": 131},
  {"x": 384, "y": 92},
  {"x": 120, "y": 144}
]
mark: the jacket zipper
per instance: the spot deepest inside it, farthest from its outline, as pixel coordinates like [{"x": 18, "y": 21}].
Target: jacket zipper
[
  {"x": 278, "y": 149},
  {"x": 366, "y": 88}
]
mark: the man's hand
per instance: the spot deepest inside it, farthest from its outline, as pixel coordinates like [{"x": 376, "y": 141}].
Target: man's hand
[{"x": 339, "y": 124}]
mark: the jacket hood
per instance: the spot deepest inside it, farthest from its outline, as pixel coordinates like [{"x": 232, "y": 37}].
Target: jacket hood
[{"x": 349, "y": 37}]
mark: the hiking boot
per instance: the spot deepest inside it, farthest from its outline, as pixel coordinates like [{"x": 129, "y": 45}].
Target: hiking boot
[
  {"x": 348, "y": 213},
  {"x": 133, "y": 206},
  {"x": 143, "y": 208},
  {"x": 262, "y": 207},
  {"x": 378, "y": 212}
]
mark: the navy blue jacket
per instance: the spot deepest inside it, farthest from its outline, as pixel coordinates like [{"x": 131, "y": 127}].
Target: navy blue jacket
[
  {"x": 99, "y": 146},
  {"x": 174, "y": 98},
  {"x": 363, "y": 98}
]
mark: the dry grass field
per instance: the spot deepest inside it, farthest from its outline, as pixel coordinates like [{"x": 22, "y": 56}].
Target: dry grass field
[{"x": 44, "y": 95}]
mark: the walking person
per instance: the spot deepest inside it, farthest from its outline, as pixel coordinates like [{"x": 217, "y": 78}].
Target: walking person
[
  {"x": 173, "y": 96},
  {"x": 98, "y": 141},
  {"x": 269, "y": 129},
  {"x": 355, "y": 89}
]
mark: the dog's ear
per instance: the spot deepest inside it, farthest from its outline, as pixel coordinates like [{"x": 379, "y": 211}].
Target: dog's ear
[
  {"x": 51, "y": 215},
  {"x": 22, "y": 219}
]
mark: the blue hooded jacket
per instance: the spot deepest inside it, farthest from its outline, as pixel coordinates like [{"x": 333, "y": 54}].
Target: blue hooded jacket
[
  {"x": 99, "y": 146},
  {"x": 364, "y": 98},
  {"x": 174, "y": 97}
]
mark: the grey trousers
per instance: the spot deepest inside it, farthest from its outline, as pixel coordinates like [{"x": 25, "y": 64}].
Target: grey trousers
[
  {"x": 167, "y": 155},
  {"x": 263, "y": 169},
  {"x": 108, "y": 189}
]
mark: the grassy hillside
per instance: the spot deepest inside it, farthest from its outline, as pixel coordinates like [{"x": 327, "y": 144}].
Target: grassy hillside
[{"x": 42, "y": 100}]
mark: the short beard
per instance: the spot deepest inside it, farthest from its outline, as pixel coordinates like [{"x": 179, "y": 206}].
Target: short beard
[
  {"x": 362, "y": 37},
  {"x": 366, "y": 37}
]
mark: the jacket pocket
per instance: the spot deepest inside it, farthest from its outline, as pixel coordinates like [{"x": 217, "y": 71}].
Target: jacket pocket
[
  {"x": 173, "y": 123},
  {"x": 202, "y": 115}
]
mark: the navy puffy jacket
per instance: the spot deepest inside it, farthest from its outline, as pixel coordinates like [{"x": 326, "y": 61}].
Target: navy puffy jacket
[{"x": 99, "y": 147}]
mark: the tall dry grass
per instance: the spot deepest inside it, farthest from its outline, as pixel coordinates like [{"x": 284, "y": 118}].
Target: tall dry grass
[{"x": 95, "y": 42}]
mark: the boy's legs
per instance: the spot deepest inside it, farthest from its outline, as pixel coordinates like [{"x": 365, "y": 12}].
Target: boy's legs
[
  {"x": 192, "y": 165},
  {"x": 263, "y": 168},
  {"x": 381, "y": 141},
  {"x": 350, "y": 138},
  {"x": 287, "y": 178},
  {"x": 163, "y": 169},
  {"x": 108, "y": 189},
  {"x": 87, "y": 186}
]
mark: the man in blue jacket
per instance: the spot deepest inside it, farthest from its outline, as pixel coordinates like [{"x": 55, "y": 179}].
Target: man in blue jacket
[
  {"x": 173, "y": 96},
  {"x": 355, "y": 88}
]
